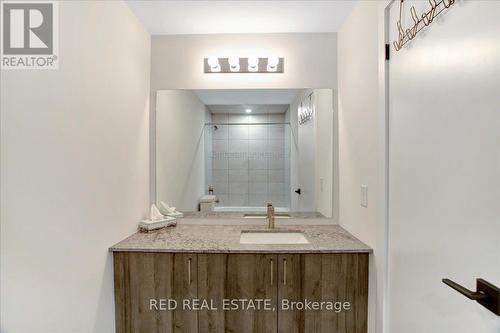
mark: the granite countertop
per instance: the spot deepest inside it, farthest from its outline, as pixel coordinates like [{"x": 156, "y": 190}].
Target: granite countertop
[{"x": 226, "y": 239}]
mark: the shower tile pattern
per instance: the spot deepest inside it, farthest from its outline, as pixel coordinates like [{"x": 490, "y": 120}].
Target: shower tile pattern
[{"x": 250, "y": 163}]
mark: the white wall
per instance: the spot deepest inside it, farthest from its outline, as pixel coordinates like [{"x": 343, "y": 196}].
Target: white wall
[
  {"x": 310, "y": 60},
  {"x": 444, "y": 181},
  {"x": 324, "y": 150},
  {"x": 361, "y": 143},
  {"x": 444, "y": 162},
  {"x": 180, "y": 148},
  {"x": 74, "y": 171},
  {"x": 306, "y": 138},
  {"x": 312, "y": 153},
  {"x": 291, "y": 116},
  {"x": 302, "y": 159}
]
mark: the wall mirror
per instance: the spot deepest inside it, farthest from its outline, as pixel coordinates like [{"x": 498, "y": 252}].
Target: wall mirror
[{"x": 235, "y": 151}]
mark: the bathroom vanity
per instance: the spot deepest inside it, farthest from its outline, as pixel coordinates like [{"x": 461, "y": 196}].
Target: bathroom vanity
[{"x": 218, "y": 278}]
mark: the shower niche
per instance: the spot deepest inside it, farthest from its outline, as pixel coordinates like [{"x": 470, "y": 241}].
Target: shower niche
[{"x": 244, "y": 149}]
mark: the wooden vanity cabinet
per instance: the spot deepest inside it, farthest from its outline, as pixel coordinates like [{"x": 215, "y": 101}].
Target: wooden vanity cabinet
[
  {"x": 140, "y": 277},
  {"x": 323, "y": 277},
  {"x": 338, "y": 277},
  {"x": 237, "y": 277}
]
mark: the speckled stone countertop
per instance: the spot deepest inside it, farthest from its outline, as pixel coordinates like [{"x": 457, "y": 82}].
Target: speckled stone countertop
[{"x": 226, "y": 239}]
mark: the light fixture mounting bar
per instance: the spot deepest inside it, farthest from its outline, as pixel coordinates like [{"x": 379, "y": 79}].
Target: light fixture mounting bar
[{"x": 262, "y": 68}]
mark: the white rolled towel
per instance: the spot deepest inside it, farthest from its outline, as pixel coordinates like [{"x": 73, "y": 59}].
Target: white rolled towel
[{"x": 169, "y": 211}]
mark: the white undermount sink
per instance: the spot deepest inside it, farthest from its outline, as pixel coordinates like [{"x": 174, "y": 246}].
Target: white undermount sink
[{"x": 269, "y": 237}]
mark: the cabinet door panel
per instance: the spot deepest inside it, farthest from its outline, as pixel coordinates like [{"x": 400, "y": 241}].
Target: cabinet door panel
[
  {"x": 336, "y": 277},
  {"x": 140, "y": 277},
  {"x": 212, "y": 274},
  {"x": 290, "y": 276},
  {"x": 357, "y": 293},
  {"x": 251, "y": 276},
  {"x": 185, "y": 280}
]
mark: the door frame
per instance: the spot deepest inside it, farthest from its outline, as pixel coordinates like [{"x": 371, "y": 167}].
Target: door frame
[{"x": 380, "y": 303}]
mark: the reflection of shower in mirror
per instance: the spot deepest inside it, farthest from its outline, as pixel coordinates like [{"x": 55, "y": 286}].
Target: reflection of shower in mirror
[{"x": 232, "y": 160}]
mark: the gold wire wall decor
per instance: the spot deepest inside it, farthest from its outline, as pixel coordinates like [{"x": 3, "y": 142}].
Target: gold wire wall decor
[{"x": 406, "y": 35}]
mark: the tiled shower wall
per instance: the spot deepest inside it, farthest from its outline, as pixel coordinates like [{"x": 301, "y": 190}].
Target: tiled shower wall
[{"x": 250, "y": 163}]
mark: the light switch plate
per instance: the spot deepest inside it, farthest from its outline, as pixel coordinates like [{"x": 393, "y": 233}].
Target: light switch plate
[{"x": 364, "y": 196}]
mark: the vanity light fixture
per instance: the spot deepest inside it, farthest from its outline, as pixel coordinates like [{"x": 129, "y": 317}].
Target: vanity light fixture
[
  {"x": 233, "y": 65},
  {"x": 248, "y": 110}
]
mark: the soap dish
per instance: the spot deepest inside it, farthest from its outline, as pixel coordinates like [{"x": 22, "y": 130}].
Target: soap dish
[{"x": 148, "y": 225}]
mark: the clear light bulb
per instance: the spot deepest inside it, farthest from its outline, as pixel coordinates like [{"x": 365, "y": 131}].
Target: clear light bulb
[
  {"x": 213, "y": 62},
  {"x": 272, "y": 64},
  {"x": 234, "y": 64},
  {"x": 253, "y": 64}
]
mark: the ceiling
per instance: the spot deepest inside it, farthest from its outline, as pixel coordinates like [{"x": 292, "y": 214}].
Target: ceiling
[
  {"x": 211, "y": 17},
  {"x": 247, "y": 96},
  {"x": 256, "y": 109}
]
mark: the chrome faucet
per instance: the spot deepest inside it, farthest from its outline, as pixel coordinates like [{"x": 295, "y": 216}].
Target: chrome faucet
[{"x": 270, "y": 216}]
